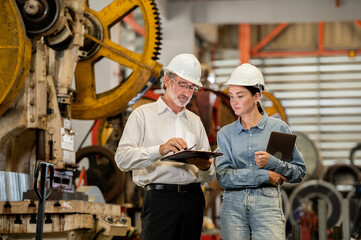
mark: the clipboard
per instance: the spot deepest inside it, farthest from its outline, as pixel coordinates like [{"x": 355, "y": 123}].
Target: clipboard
[
  {"x": 281, "y": 145},
  {"x": 182, "y": 156}
]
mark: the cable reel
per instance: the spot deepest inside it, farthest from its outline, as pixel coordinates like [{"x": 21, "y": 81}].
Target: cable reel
[
  {"x": 312, "y": 157},
  {"x": 312, "y": 191}
]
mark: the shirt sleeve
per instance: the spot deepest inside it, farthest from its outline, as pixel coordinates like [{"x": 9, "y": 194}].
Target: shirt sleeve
[
  {"x": 231, "y": 177},
  {"x": 130, "y": 155},
  {"x": 294, "y": 171},
  {"x": 207, "y": 176}
]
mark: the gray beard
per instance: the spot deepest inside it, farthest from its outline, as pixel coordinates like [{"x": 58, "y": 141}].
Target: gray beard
[{"x": 175, "y": 98}]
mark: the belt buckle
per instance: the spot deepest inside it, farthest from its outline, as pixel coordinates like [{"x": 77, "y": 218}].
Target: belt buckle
[{"x": 180, "y": 188}]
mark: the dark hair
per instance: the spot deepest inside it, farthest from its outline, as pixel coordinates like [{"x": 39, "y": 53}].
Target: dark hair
[{"x": 253, "y": 91}]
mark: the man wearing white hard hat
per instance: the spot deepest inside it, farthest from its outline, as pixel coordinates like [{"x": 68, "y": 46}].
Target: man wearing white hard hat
[
  {"x": 250, "y": 176},
  {"x": 174, "y": 203}
]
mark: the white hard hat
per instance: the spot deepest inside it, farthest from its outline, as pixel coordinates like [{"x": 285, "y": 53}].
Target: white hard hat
[
  {"x": 187, "y": 67},
  {"x": 246, "y": 75}
]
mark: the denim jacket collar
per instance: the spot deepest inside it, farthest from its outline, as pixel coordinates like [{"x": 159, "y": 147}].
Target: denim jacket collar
[{"x": 259, "y": 125}]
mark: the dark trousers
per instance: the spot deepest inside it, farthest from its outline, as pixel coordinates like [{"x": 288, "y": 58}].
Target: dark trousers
[{"x": 172, "y": 215}]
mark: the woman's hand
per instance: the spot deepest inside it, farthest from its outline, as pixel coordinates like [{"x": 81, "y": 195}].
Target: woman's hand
[
  {"x": 276, "y": 178},
  {"x": 261, "y": 158}
]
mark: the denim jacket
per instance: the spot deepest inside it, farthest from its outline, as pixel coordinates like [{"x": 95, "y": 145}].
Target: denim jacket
[{"x": 237, "y": 168}]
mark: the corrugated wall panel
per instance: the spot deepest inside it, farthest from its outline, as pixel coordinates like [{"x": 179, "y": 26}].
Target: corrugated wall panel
[{"x": 321, "y": 97}]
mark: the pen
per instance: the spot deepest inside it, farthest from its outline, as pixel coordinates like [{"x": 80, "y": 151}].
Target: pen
[{"x": 190, "y": 147}]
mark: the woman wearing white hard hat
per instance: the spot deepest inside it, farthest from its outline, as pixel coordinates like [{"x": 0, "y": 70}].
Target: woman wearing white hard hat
[{"x": 248, "y": 174}]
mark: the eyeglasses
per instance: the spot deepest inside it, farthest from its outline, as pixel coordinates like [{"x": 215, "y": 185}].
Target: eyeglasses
[{"x": 185, "y": 85}]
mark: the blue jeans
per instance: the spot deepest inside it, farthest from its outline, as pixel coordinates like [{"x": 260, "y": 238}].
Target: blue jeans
[{"x": 253, "y": 212}]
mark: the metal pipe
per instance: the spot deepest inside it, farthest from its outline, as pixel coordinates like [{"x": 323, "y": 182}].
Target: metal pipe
[
  {"x": 46, "y": 176},
  {"x": 322, "y": 219},
  {"x": 296, "y": 232},
  {"x": 346, "y": 218}
]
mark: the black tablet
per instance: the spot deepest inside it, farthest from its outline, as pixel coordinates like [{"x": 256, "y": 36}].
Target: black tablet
[
  {"x": 183, "y": 155},
  {"x": 281, "y": 145}
]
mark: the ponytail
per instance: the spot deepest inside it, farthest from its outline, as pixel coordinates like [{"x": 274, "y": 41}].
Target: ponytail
[{"x": 259, "y": 107}]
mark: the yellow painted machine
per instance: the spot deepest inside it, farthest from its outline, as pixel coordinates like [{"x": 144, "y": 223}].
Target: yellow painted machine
[{"x": 48, "y": 51}]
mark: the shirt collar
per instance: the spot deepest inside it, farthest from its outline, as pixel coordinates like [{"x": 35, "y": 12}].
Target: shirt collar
[
  {"x": 259, "y": 125},
  {"x": 162, "y": 106},
  {"x": 263, "y": 121}
]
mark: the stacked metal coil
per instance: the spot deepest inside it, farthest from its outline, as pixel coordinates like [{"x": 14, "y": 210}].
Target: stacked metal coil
[{"x": 12, "y": 185}]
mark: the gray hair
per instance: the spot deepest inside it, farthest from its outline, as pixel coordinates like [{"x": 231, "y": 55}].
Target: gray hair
[{"x": 166, "y": 73}]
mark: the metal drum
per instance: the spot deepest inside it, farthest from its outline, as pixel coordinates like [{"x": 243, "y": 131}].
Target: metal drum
[
  {"x": 313, "y": 190},
  {"x": 343, "y": 176},
  {"x": 354, "y": 204},
  {"x": 311, "y": 156}
]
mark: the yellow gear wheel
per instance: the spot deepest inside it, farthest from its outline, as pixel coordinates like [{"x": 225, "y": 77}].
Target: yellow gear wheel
[
  {"x": 110, "y": 130},
  {"x": 15, "y": 53},
  {"x": 90, "y": 105},
  {"x": 274, "y": 109}
]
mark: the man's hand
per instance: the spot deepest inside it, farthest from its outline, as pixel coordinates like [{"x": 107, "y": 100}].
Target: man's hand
[
  {"x": 261, "y": 158},
  {"x": 201, "y": 163},
  {"x": 276, "y": 178},
  {"x": 172, "y": 145}
]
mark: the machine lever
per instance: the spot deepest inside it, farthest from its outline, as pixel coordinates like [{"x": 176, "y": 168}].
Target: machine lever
[{"x": 46, "y": 172}]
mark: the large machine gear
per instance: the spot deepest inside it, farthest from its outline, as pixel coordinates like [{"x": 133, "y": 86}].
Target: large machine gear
[
  {"x": 64, "y": 26},
  {"x": 97, "y": 45},
  {"x": 90, "y": 105},
  {"x": 15, "y": 54}
]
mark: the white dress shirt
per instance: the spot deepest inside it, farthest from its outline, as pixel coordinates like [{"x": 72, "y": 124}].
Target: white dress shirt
[{"x": 148, "y": 127}]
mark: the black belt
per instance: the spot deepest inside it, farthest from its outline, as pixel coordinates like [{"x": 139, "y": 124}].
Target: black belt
[{"x": 192, "y": 187}]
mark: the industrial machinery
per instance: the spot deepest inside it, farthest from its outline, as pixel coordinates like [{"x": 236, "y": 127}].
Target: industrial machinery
[{"x": 47, "y": 56}]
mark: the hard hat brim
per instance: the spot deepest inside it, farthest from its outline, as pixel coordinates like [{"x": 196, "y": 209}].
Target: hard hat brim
[
  {"x": 263, "y": 87},
  {"x": 185, "y": 77}
]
